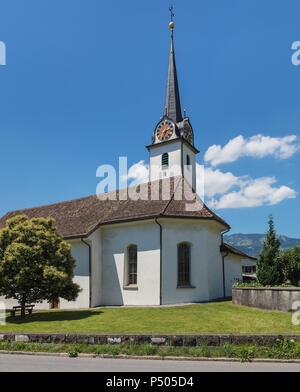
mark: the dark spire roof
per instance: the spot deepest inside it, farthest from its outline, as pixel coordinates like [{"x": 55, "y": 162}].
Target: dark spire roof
[{"x": 172, "y": 104}]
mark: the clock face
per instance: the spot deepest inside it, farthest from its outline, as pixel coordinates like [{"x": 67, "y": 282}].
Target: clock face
[
  {"x": 188, "y": 135},
  {"x": 165, "y": 130}
]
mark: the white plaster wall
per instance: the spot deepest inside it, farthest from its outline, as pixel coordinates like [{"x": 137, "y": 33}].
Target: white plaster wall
[
  {"x": 80, "y": 253},
  {"x": 9, "y": 303},
  {"x": 174, "y": 151},
  {"x": 233, "y": 272},
  {"x": 248, "y": 263},
  {"x": 115, "y": 240},
  {"x": 206, "y": 261}
]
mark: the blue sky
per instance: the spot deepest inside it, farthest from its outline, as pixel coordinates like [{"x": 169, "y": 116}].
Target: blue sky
[{"x": 85, "y": 83}]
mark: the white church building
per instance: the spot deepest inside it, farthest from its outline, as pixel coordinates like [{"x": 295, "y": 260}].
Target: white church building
[{"x": 166, "y": 248}]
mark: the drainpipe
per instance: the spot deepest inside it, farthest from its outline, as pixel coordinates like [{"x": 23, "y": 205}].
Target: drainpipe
[
  {"x": 160, "y": 261},
  {"x": 90, "y": 270},
  {"x": 223, "y": 261}
]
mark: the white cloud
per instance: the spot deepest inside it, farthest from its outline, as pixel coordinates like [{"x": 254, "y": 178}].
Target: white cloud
[
  {"x": 258, "y": 146},
  {"x": 225, "y": 190},
  {"x": 139, "y": 173},
  {"x": 254, "y": 193},
  {"x": 215, "y": 181}
]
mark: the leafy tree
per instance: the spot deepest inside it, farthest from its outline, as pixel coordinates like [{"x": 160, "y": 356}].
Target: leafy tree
[
  {"x": 35, "y": 262},
  {"x": 290, "y": 260},
  {"x": 269, "y": 268}
]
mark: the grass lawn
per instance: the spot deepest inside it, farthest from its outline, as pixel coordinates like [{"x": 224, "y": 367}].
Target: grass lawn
[
  {"x": 282, "y": 349},
  {"x": 218, "y": 317}
]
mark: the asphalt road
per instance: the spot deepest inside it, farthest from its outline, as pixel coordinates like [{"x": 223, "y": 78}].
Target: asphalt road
[{"x": 28, "y": 363}]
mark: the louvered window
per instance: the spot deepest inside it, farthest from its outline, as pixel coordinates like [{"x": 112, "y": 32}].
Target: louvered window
[{"x": 165, "y": 160}]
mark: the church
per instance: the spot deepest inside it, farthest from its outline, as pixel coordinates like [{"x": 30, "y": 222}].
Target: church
[{"x": 166, "y": 248}]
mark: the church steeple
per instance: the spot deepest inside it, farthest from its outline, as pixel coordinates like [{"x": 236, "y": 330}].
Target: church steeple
[
  {"x": 172, "y": 151},
  {"x": 172, "y": 103}
]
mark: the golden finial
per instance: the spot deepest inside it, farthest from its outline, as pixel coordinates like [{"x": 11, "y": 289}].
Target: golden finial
[
  {"x": 172, "y": 24},
  {"x": 184, "y": 113}
]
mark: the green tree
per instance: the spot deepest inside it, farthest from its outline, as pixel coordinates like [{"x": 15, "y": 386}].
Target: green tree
[
  {"x": 290, "y": 260},
  {"x": 35, "y": 262},
  {"x": 269, "y": 268}
]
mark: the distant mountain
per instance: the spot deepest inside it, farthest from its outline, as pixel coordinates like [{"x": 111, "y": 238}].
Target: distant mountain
[{"x": 252, "y": 243}]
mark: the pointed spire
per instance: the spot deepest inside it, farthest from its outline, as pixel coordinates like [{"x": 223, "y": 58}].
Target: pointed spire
[{"x": 172, "y": 96}]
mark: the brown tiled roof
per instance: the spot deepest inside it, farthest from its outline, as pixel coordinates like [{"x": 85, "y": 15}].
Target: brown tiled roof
[
  {"x": 228, "y": 248},
  {"x": 80, "y": 217}
]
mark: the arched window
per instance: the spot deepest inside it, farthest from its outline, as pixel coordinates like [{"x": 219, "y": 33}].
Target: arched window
[
  {"x": 184, "y": 255},
  {"x": 132, "y": 265},
  {"x": 165, "y": 160}
]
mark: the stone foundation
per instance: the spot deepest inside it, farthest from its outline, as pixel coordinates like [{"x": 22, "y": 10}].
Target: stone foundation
[
  {"x": 273, "y": 298},
  {"x": 161, "y": 340}
]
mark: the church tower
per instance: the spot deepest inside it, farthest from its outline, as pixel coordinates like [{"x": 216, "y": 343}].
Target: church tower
[{"x": 172, "y": 152}]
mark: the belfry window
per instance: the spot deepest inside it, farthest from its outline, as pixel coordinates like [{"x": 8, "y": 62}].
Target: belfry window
[
  {"x": 165, "y": 161},
  {"x": 184, "y": 255},
  {"x": 188, "y": 161},
  {"x": 132, "y": 265}
]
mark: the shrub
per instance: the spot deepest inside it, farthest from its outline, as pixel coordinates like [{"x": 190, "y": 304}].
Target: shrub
[
  {"x": 75, "y": 350},
  {"x": 247, "y": 354},
  {"x": 290, "y": 259}
]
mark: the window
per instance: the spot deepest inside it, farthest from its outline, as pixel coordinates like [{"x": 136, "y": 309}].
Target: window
[
  {"x": 188, "y": 162},
  {"x": 165, "y": 160},
  {"x": 184, "y": 251},
  {"x": 132, "y": 265},
  {"x": 249, "y": 270}
]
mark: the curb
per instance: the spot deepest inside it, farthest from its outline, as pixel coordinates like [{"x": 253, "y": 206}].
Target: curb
[{"x": 149, "y": 357}]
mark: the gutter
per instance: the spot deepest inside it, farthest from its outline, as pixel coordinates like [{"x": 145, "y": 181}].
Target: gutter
[
  {"x": 223, "y": 261},
  {"x": 160, "y": 260},
  {"x": 86, "y": 235},
  {"x": 90, "y": 270}
]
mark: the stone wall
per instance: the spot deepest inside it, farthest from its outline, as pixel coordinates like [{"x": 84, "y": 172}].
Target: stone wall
[
  {"x": 274, "y": 298},
  {"x": 161, "y": 340}
]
